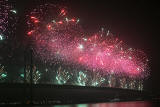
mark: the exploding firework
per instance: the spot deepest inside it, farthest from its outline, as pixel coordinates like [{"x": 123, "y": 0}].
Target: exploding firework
[
  {"x": 7, "y": 19},
  {"x": 111, "y": 80},
  {"x": 3, "y": 73},
  {"x": 62, "y": 76},
  {"x": 35, "y": 74},
  {"x": 122, "y": 82},
  {"x": 58, "y": 39},
  {"x": 82, "y": 78},
  {"x": 97, "y": 79}
]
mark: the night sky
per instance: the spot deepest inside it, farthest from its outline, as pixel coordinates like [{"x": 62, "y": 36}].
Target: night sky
[{"x": 136, "y": 23}]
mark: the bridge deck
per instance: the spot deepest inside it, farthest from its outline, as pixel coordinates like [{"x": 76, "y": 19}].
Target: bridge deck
[{"x": 53, "y": 94}]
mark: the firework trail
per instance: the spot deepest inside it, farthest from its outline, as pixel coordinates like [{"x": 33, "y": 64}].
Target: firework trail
[
  {"x": 57, "y": 39},
  {"x": 82, "y": 78}
]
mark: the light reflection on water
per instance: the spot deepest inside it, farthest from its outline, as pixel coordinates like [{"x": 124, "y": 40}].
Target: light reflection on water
[{"x": 112, "y": 104}]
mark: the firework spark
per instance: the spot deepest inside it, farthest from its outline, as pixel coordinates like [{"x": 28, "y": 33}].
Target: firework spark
[{"x": 3, "y": 73}]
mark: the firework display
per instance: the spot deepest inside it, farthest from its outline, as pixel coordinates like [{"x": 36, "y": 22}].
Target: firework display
[
  {"x": 8, "y": 22},
  {"x": 58, "y": 39},
  {"x": 67, "y": 54}
]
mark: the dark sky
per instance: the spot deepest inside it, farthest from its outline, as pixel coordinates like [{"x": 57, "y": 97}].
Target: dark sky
[{"x": 136, "y": 23}]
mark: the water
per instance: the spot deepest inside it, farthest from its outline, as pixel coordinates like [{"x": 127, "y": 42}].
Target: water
[{"x": 112, "y": 104}]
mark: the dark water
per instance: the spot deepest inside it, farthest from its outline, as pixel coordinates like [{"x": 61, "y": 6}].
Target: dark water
[{"x": 112, "y": 104}]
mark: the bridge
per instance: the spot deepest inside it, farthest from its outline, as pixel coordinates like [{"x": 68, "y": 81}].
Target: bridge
[{"x": 65, "y": 94}]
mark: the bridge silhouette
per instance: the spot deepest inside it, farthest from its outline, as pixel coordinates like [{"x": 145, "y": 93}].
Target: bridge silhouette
[{"x": 65, "y": 94}]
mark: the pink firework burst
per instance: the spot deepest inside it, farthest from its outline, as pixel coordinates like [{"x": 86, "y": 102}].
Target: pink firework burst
[{"x": 57, "y": 38}]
